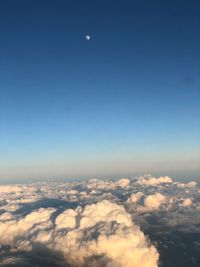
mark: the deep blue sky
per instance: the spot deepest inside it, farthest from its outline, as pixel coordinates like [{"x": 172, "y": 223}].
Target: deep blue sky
[{"x": 125, "y": 102}]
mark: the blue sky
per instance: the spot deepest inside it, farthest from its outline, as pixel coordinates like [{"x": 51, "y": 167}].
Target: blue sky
[{"x": 125, "y": 102}]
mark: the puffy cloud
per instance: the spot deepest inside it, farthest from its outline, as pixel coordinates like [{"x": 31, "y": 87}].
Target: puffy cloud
[
  {"x": 152, "y": 181},
  {"x": 123, "y": 182},
  {"x": 67, "y": 219},
  {"x": 13, "y": 229},
  {"x": 135, "y": 197},
  {"x": 10, "y": 189},
  {"x": 72, "y": 192},
  {"x": 6, "y": 216},
  {"x": 187, "y": 202},
  {"x": 107, "y": 234},
  {"x": 107, "y": 185},
  {"x": 191, "y": 184},
  {"x": 11, "y": 207},
  {"x": 153, "y": 202},
  {"x": 104, "y": 211},
  {"x": 101, "y": 233},
  {"x": 114, "y": 245},
  {"x": 95, "y": 184},
  {"x": 47, "y": 216}
]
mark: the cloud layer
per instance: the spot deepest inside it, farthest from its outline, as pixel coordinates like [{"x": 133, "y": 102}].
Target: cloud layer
[
  {"x": 101, "y": 232},
  {"x": 94, "y": 223}
]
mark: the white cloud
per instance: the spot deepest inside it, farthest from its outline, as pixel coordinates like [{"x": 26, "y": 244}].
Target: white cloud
[
  {"x": 67, "y": 219},
  {"x": 10, "y": 189},
  {"x": 152, "y": 202},
  {"x": 110, "y": 235},
  {"x": 135, "y": 197},
  {"x": 123, "y": 182},
  {"x": 104, "y": 211},
  {"x": 10, "y": 207},
  {"x": 187, "y": 202},
  {"x": 13, "y": 229},
  {"x": 7, "y": 216},
  {"x": 72, "y": 192},
  {"x": 102, "y": 232},
  {"x": 95, "y": 184},
  {"x": 191, "y": 184},
  {"x": 152, "y": 181}
]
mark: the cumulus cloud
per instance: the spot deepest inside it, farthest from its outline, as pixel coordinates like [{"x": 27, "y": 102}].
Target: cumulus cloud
[
  {"x": 152, "y": 181},
  {"x": 72, "y": 192},
  {"x": 104, "y": 211},
  {"x": 101, "y": 232},
  {"x": 187, "y": 202},
  {"x": 135, "y": 197},
  {"x": 110, "y": 235},
  {"x": 123, "y": 182},
  {"x": 98, "y": 218},
  {"x": 10, "y": 207},
  {"x": 6, "y": 216},
  {"x": 153, "y": 202},
  {"x": 191, "y": 184},
  {"x": 96, "y": 184},
  {"x": 10, "y": 189},
  {"x": 67, "y": 219},
  {"x": 13, "y": 229}
]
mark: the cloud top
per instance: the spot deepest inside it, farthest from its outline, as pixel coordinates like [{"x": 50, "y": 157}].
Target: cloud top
[
  {"x": 99, "y": 219},
  {"x": 101, "y": 232},
  {"x": 152, "y": 181}
]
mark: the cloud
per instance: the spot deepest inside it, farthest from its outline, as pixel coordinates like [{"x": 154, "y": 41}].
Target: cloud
[
  {"x": 98, "y": 218},
  {"x": 19, "y": 228},
  {"x": 152, "y": 202},
  {"x": 101, "y": 232},
  {"x": 10, "y": 207},
  {"x": 187, "y": 202},
  {"x": 67, "y": 219},
  {"x": 10, "y": 189},
  {"x": 10, "y": 261},
  {"x": 123, "y": 182},
  {"x": 6, "y": 216},
  {"x": 152, "y": 181},
  {"x": 191, "y": 184},
  {"x": 135, "y": 197},
  {"x": 110, "y": 235},
  {"x": 104, "y": 211},
  {"x": 96, "y": 184}
]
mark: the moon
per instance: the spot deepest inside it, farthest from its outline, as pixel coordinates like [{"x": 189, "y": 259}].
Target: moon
[{"x": 87, "y": 37}]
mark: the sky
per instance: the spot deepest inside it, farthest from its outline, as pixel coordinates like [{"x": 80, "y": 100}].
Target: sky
[{"x": 123, "y": 103}]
